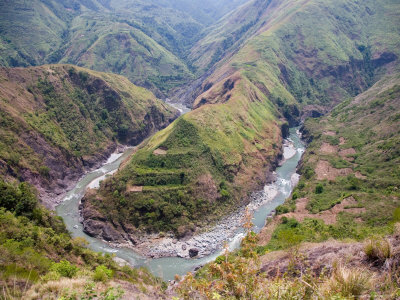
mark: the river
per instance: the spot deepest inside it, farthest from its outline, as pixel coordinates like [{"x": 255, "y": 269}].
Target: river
[{"x": 262, "y": 204}]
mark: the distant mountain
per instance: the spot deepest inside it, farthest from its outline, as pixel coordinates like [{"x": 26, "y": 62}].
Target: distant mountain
[
  {"x": 309, "y": 52},
  {"x": 143, "y": 40},
  {"x": 59, "y": 120}
]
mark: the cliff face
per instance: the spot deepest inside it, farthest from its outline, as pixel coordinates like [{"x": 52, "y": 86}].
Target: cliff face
[{"x": 59, "y": 121}]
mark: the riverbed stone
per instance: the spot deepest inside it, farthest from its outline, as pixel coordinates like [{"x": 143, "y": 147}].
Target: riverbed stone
[{"x": 193, "y": 252}]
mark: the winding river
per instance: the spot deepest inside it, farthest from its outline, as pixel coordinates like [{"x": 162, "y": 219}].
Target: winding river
[{"x": 262, "y": 205}]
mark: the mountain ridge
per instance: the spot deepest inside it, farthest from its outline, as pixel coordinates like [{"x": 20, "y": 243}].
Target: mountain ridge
[{"x": 156, "y": 36}]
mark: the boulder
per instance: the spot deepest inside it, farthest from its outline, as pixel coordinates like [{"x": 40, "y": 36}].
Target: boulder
[{"x": 193, "y": 252}]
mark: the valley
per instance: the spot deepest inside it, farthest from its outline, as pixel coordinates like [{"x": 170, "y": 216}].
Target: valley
[
  {"x": 208, "y": 244},
  {"x": 162, "y": 129}
]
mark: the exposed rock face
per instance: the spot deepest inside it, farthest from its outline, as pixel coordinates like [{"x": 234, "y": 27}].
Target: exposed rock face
[{"x": 95, "y": 225}]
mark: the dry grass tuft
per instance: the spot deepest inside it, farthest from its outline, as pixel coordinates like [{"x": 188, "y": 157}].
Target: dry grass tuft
[
  {"x": 378, "y": 249},
  {"x": 349, "y": 282},
  {"x": 55, "y": 289}
]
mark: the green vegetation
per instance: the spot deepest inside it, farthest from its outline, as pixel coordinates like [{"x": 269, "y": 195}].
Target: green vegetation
[
  {"x": 370, "y": 215},
  {"x": 190, "y": 174},
  {"x": 36, "y": 249},
  {"x": 256, "y": 93},
  {"x": 373, "y": 180},
  {"x": 291, "y": 62},
  {"x": 244, "y": 274},
  {"x": 274, "y": 63},
  {"x": 60, "y": 116},
  {"x": 378, "y": 249},
  {"x": 145, "y": 41}
]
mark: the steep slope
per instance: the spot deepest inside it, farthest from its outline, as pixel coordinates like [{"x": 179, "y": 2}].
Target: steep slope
[
  {"x": 207, "y": 162},
  {"x": 309, "y": 52},
  {"x": 203, "y": 11},
  {"x": 58, "y": 120},
  {"x": 145, "y": 41},
  {"x": 101, "y": 43},
  {"x": 351, "y": 169},
  {"x": 79, "y": 33},
  {"x": 228, "y": 35},
  {"x": 190, "y": 174}
]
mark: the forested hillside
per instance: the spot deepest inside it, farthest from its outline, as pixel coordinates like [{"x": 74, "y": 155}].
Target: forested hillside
[{"x": 40, "y": 260}]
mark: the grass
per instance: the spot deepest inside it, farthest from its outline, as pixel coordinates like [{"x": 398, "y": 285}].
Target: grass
[
  {"x": 231, "y": 138},
  {"x": 241, "y": 275},
  {"x": 146, "y": 45},
  {"x": 378, "y": 249},
  {"x": 290, "y": 65},
  {"x": 349, "y": 282}
]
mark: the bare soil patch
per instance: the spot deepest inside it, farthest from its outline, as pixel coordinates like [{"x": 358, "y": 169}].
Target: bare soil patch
[
  {"x": 206, "y": 188},
  {"x": 324, "y": 170},
  {"x": 327, "y": 148},
  {"x": 359, "y": 175},
  {"x": 160, "y": 151},
  {"x": 330, "y": 133},
  {"x": 347, "y": 152},
  {"x": 342, "y": 141},
  {"x": 134, "y": 189},
  {"x": 328, "y": 216}
]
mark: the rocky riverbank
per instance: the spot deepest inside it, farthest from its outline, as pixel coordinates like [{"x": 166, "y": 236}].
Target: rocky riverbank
[{"x": 53, "y": 194}]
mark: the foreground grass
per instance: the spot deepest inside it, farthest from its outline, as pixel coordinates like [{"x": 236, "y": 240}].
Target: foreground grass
[
  {"x": 39, "y": 259},
  {"x": 243, "y": 275}
]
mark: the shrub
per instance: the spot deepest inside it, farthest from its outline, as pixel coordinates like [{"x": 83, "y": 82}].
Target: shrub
[
  {"x": 44, "y": 171},
  {"x": 281, "y": 209},
  {"x": 308, "y": 172},
  {"x": 51, "y": 276},
  {"x": 319, "y": 189},
  {"x": 301, "y": 185},
  {"x": 102, "y": 273},
  {"x": 378, "y": 249},
  {"x": 349, "y": 282},
  {"x": 65, "y": 268},
  {"x": 20, "y": 198}
]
